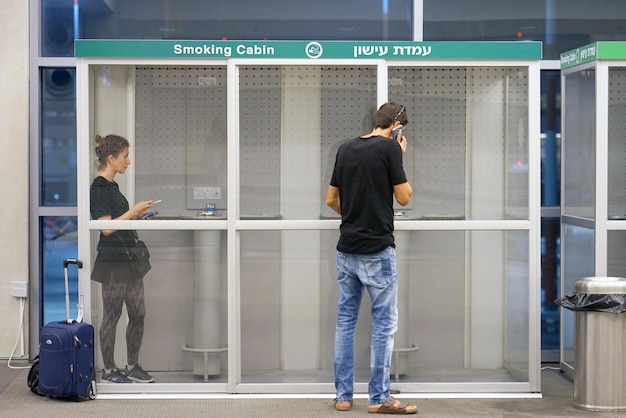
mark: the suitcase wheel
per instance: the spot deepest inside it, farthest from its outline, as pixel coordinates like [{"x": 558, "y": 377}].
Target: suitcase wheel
[{"x": 91, "y": 392}]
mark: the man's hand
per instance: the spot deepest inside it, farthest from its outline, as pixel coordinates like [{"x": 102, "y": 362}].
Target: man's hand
[
  {"x": 401, "y": 139},
  {"x": 332, "y": 199}
]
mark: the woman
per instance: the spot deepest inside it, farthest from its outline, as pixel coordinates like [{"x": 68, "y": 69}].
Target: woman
[{"x": 111, "y": 268}]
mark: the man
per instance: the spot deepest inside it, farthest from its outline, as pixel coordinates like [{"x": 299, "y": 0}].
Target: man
[{"x": 368, "y": 174}]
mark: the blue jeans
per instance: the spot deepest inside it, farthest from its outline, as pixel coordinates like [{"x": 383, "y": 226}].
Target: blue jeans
[{"x": 378, "y": 273}]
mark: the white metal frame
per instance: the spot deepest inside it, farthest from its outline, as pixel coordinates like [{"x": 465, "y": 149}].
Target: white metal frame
[
  {"x": 233, "y": 225},
  {"x": 600, "y": 223}
]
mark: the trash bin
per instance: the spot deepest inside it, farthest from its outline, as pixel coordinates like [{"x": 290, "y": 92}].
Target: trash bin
[{"x": 600, "y": 343}]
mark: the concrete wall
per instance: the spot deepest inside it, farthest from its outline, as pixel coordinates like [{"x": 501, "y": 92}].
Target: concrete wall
[{"x": 14, "y": 111}]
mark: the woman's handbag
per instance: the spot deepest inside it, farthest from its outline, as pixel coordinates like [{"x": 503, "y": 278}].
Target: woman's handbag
[{"x": 138, "y": 258}]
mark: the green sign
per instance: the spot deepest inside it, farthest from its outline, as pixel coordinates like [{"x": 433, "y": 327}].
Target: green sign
[
  {"x": 97, "y": 48},
  {"x": 596, "y": 51},
  {"x": 612, "y": 50}
]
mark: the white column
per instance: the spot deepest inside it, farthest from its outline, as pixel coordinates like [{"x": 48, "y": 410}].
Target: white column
[
  {"x": 207, "y": 301},
  {"x": 485, "y": 191},
  {"x": 401, "y": 340},
  {"x": 300, "y": 199}
]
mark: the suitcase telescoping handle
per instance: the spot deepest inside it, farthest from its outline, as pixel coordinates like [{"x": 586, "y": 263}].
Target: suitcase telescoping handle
[
  {"x": 79, "y": 264},
  {"x": 72, "y": 261}
]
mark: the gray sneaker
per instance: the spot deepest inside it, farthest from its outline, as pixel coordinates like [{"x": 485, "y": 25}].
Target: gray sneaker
[
  {"x": 137, "y": 374},
  {"x": 115, "y": 376}
]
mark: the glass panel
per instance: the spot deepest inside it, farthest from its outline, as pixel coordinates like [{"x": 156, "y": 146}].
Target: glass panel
[
  {"x": 480, "y": 316},
  {"x": 516, "y": 309},
  {"x": 178, "y": 142},
  {"x": 617, "y": 144},
  {"x": 579, "y": 144},
  {"x": 111, "y": 109},
  {"x": 468, "y": 135},
  {"x": 58, "y": 29},
  {"x": 58, "y": 137},
  {"x": 185, "y": 298},
  {"x": 550, "y": 197},
  {"x": 181, "y": 139},
  {"x": 224, "y": 19},
  {"x": 616, "y": 262},
  {"x": 291, "y": 122},
  {"x": 550, "y": 138},
  {"x": 578, "y": 262},
  {"x": 516, "y": 143},
  {"x": 60, "y": 241},
  {"x": 550, "y": 282},
  {"x": 561, "y": 24}
]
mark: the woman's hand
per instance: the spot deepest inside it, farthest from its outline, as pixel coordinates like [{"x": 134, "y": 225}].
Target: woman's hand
[
  {"x": 136, "y": 212},
  {"x": 142, "y": 208}
]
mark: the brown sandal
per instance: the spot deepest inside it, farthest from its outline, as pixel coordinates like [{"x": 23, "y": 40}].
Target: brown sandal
[
  {"x": 342, "y": 406},
  {"x": 392, "y": 406}
]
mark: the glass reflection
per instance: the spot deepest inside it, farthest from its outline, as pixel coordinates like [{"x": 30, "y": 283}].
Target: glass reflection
[
  {"x": 62, "y": 21},
  {"x": 579, "y": 144},
  {"x": 550, "y": 282},
  {"x": 577, "y": 262},
  {"x": 616, "y": 262},
  {"x": 60, "y": 241},
  {"x": 561, "y": 24},
  {"x": 58, "y": 137}
]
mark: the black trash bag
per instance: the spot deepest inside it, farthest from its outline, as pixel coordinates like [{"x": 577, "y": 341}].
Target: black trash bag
[{"x": 614, "y": 303}]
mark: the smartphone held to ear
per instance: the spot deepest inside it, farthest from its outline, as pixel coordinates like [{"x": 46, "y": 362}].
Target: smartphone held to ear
[{"x": 394, "y": 131}]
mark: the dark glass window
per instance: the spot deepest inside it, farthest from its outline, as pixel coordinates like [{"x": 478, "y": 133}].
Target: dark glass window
[
  {"x": 551, "y": 138},
  {"x": 60, "y": 241},
  {"x": 57, "y": 28},
  {"x": 550, "y": 279},
  {"x": 224, "y": 19},
  {"x": 561, "y": 24},
  {"x": 550, "y": 197},
  {"x": 58, "y": 137}
]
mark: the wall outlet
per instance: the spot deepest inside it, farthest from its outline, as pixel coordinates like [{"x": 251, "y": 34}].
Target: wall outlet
[{"x": 19, "y": 289}]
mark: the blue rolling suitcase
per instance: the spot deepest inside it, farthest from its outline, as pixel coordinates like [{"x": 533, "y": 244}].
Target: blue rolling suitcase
[{"x": 66, "y": 352}]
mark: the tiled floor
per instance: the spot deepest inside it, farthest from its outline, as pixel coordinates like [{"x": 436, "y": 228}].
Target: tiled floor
[{"x": 17, "y": 401}]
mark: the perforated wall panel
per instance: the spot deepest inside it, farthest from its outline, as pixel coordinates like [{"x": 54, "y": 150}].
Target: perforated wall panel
[
  {"x": 516, "y": 158},
  {"x": 259, "y": 147},
  {"x": 348, "y": 98},
  {"x": 348, "y": 105},
  {"x": 617, "y": 143},
  {"x": 464, "y": 121},
  {"x": 435, "y": 102},
  {"x": 181, "y": 137}
]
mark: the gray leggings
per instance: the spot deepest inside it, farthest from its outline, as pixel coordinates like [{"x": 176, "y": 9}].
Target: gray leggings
[{"x": 114, "y": 294}]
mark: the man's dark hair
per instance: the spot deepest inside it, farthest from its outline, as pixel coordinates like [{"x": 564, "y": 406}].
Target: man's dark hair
[{"x": 388, "y": 113}]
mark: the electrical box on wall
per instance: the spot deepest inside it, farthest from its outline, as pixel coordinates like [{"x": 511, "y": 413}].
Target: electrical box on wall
[
  {"x": 205, "y": 193},
  {"x": 19, "y": 289}
]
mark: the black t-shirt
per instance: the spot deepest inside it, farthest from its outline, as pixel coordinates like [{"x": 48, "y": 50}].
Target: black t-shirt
[
  {"x": 366, "y": 169},
  {"x": 106, "y": 199}
]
